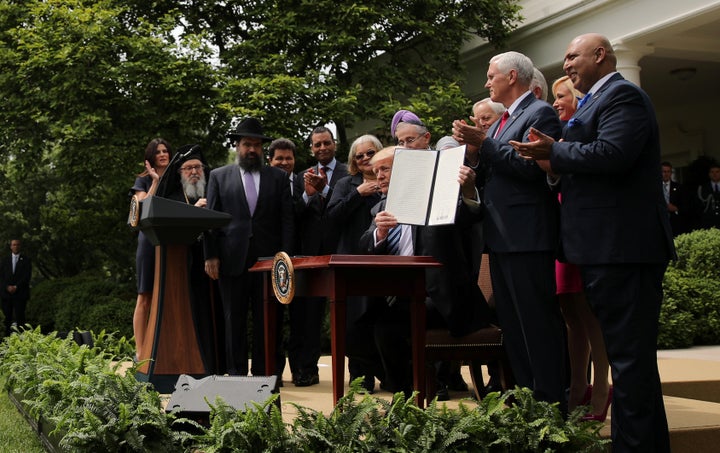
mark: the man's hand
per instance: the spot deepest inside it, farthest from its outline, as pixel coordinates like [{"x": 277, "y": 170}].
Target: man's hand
[
  {"x": 466, "y": 178},
  {"x": 212, "y": 268},
  {"x": 466, "y": 134},
  {"x": 201, "y": 203},
  {"x": 538, "y": 148},
  {"x": 315, "y": 183},
  {"x": 384, "y": 221}
]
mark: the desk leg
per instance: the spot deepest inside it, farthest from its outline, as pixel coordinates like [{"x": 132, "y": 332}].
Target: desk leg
[
  {"x": 338, "y": 313},
  {"x": 418, "y": 345},
  {"x": 270, "y": 321}
]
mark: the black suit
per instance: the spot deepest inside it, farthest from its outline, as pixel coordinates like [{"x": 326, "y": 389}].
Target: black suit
[
  {"x": 521, "y": 234},
  {"x": 709, "y": 206},
  {"x": 349, "y": 214},
  {"x": 454, "y": 299},
  {"x": 238, "y": 245},
  {"x": 615, "y": 226},
  {"x": 15, "y": 303},
  {"x": 307, "y": 313},
  {"x": 678, "y": 219}
]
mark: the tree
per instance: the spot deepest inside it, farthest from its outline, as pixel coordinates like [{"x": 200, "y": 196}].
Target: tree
[
  {"x": 85, "y": 85},
  {"x": 300, "y": 63}
]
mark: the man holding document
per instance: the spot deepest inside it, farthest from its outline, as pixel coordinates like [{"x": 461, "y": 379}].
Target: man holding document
[
  {"x": 454, "y": 301},
  {"x": 521, "y": 228}
]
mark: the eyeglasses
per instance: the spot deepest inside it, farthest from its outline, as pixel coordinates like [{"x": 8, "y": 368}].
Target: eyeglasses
[
  {"x": 192, "y": 168},
  {"x": 408, "y": 141},
  {"x": 370, "y": 153}
]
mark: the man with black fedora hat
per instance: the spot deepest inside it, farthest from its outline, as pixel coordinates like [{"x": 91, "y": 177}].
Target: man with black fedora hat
[{"x": 258, "y": 198}]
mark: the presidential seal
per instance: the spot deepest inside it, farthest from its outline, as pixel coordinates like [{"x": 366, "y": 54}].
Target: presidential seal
[
  {"x": 283, "y": 278},
  {"x": 134, "y": 215}
]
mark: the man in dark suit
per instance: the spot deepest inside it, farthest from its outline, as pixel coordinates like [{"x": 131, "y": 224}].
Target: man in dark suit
[
  {"x": 675, "y": 199},
  {"x": 316, "y": 238},
  {"x": 615, "y": 227},
  {"x": 15, "y": 273},
  {"x": 454, "y": 301},
  {"x": 258, "y": 198},
  {"x": 708, "y": 195},
  {"x": 521, "y": 229}
]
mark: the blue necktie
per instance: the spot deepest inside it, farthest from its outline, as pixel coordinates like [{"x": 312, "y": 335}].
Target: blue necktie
[
  {"x": 393, "y": 240},
  {"x": 584, "y": 100}
]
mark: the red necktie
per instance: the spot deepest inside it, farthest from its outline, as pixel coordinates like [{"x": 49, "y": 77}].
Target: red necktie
[{"x": 504, "y": 118}]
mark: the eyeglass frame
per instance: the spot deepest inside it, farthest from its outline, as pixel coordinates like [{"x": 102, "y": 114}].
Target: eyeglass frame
[
  {"x": 369, "y": 153},
  {"x": 409, "y": 141}
]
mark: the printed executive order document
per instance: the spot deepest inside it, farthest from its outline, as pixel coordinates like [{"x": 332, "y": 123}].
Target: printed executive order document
[{"x": 424, "y": 185}]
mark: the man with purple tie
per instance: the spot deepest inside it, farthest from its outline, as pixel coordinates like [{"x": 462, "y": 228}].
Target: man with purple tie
[{"x": 258, "y": 198}]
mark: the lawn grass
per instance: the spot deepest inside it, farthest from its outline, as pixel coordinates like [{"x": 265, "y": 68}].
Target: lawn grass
[{"x": 16, "y": 434}]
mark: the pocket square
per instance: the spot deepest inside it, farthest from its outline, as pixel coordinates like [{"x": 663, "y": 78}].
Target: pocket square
[{"x": 574, "y": 122}]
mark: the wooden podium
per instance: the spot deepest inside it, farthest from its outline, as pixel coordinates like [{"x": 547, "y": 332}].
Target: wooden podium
[
  {"x": 171, "y": 339},
  {"x": 340, "y": 276}
]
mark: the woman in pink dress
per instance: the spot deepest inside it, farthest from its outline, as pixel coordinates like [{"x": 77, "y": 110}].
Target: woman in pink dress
[{"x": 583, "y": 330}]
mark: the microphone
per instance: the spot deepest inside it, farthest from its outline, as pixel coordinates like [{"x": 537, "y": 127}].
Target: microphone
[
  {"x": 192, "y": 149},
  {"x": 162, "y": 189}
]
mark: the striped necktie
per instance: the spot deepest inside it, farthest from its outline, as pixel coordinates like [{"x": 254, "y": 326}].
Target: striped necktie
[{"x": 393, "y": 240}]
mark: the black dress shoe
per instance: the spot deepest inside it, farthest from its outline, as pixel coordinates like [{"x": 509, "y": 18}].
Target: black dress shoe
[
  {"x": 493, "y": 387},
  {"x": 368, "y": 383},
  {"x": 442, "y": 394},
  {"x": 305, "y": 380},
  {"x": 456, "y": 383}
]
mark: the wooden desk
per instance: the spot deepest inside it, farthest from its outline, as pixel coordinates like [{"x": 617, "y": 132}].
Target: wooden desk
[{"x": 339, "y": 276}]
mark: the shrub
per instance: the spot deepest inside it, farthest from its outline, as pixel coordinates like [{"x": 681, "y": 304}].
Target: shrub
[
  {"x": 95, "y": 408},
  {"x": 690, "y": 313},
  {"x": 80, "y": 392},
  {"x": 84, "y": 302}
]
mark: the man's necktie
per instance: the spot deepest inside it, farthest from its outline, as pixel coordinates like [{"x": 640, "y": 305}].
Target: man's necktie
[
  {"x": 250, "y": 191},
  {"x": 393, "y": 248},
  {"x": 583, "y": 100},
  {"x": 15, "y": 259},
  {"x": 666, "y": 190},
  {"x": 503, "y": 120},
  {"x": 393, "y": 240}
]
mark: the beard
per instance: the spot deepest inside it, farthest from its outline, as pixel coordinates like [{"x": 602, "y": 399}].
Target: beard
[
  {"x": 196, "y": 190},
  {"x": 249, "y": 163}
]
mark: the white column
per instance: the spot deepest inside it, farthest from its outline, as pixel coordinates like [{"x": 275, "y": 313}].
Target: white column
[{"x": 628, "y": 58}]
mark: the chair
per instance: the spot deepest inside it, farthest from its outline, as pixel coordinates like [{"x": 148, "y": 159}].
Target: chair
[{"x": 475, "y": 349}]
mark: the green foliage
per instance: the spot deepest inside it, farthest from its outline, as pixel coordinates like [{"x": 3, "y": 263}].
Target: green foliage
[
  {"x": 86, "y": 301},
  {"x": 344, "y": 57},
  {"x": 514, "y": 422},
  {"x": 690, "y": 314},
  {"x": 86, "y": 85},
  {"x": 93, "y": 406},
  {"x": 259, "y": 428}
]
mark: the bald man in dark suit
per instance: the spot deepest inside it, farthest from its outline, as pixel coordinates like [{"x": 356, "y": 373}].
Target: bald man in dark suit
[{"x": 615, "y": 227}]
